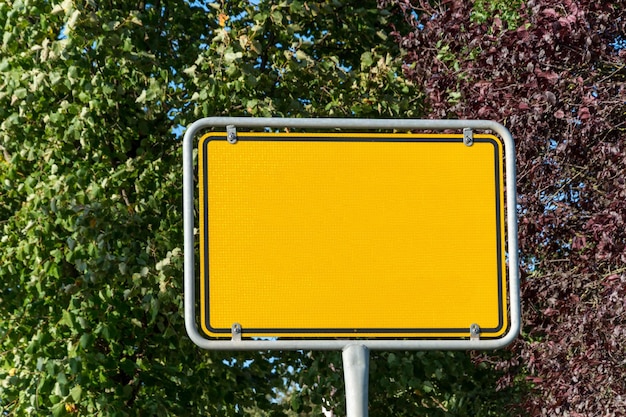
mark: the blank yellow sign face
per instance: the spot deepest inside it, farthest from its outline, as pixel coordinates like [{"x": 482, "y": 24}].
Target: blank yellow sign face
[{"x": 352, "y": 235}]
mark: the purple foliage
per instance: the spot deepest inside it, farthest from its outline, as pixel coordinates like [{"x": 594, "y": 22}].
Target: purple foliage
[{"x": 557, "y": 81}]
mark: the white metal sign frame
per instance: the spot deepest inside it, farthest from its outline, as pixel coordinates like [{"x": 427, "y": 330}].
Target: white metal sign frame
[{"x": 239, "y": 344}]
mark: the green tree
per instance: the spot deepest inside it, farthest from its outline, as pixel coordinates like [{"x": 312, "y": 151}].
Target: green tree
[
  {"x": 90, "y": 260},
  {"x": 91, "y": 98},
  {"x": 300, "y": 58}
]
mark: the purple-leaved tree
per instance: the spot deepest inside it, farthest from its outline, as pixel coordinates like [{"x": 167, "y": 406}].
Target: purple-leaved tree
[{"x": 553, "y": 72}]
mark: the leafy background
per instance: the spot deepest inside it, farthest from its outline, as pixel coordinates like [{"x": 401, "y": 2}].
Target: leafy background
[
  {"x": 553, "y": 72},
  {"x": 94, "y": 97}
]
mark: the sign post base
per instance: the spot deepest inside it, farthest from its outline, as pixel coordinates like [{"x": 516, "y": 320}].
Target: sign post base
[{"x": 356, "y": 376}]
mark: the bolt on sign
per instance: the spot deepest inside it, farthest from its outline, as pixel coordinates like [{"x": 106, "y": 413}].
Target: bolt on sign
[{"x": 353, "y": 235}]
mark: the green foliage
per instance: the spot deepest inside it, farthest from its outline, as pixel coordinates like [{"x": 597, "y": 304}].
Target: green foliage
[
  {"x": 442, "y": 384},
  {"x": 259, "y": 57},
  {"x": 505, "y": 10},
  {"x": 91, "y": 94}
]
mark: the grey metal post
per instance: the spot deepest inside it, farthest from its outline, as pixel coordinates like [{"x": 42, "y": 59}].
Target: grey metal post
[{"x": 356, "y": 360}]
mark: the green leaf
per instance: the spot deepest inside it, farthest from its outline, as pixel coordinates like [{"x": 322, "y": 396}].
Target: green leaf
[
  {"x": 58, "y": 409},
  {"x": 231, "y": 56},
  {"x": 76, "y": 393},
  {"x": 427, "y": 387},
  {"x": 85, "y": 340},
  {"x": 142, "y": 97},
  {"x": 301, "y": 55},
  {"x": 366, "y": 60},
  {"x": 296, "y": 403}
]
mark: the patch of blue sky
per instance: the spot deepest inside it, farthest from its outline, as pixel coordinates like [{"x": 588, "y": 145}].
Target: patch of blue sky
[{"x": 619, "y": 43}]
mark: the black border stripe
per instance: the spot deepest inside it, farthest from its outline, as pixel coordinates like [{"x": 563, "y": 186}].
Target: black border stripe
[{"x": 342, "y": 332}]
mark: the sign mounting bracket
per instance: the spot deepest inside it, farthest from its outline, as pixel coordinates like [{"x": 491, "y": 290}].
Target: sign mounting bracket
[
  {"x": 231, "y": 134},
  {"x": 236, "y": 331},
  {"x": 474, "y": 332},
  {"x": 468, "y": 136}
]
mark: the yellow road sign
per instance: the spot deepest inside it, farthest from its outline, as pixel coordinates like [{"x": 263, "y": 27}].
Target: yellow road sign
[{"x": 352, "y": 235}]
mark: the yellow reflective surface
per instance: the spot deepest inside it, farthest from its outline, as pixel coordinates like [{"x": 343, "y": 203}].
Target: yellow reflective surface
[{"x": 352, "y": 235}]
